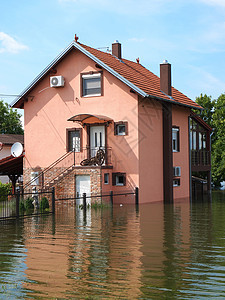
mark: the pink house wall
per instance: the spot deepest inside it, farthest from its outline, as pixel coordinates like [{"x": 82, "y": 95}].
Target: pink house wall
[
  {"x": 47, "y": 112},
  {"x": 151, "y": 150},
  {"x": 180, "y": 118},
  {"x": 139, "y": 154}
]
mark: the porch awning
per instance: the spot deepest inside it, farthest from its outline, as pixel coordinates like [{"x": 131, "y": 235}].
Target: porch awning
[
  {"x": 11, "y": 165},
  {"x": 88, "y": 119}
]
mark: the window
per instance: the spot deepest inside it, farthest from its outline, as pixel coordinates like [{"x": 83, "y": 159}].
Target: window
[
  {"x": 176, "y": 182},
  {"x": 35, "y": 180},
  {"x": 106, "y": 178},
  {"x": 119, "y": 179},
  {"x": 74, "y": 140},
  {"x": 91, "y": 85},
  {"x": 175, "y": 139},
  {"x": 120, "y": 128}
]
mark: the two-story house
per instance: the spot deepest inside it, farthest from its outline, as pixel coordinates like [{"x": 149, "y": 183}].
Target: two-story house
[{"x": 96, "y": 122}]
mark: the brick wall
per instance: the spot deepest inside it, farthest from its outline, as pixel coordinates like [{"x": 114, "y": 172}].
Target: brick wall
[{"x": 65, "y": 188}]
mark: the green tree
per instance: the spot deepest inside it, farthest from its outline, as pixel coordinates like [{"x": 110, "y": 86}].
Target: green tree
[
  {"x": 10, "y": 122},
  {"x": 218, "y": 144},
  {"x": 208, "y": 104},
  {"x": 214, "y": 115}
]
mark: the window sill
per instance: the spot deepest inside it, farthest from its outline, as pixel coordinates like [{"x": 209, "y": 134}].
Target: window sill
[{"x": 89, "y": 96}]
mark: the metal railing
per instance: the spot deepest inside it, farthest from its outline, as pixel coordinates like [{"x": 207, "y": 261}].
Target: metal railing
[
  {"x": 200, "y": 157},
  {"x": 65, "y": 164},
  {"x": 13, "y": 206}
]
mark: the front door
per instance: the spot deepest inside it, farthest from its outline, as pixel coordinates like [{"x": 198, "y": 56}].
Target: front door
[
  {"x": 97, "y": 139},
  {"x": 83, "y": 185}
]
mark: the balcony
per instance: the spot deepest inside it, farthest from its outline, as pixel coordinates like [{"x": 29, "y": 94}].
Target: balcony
[
  {"x": 85, "y": 157},
  {"x": 200, "y": 160},
  {"x": 101, "y": 156}
]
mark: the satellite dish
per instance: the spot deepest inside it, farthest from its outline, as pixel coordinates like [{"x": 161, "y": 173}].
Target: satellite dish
[{"x": 16, "y": 149}]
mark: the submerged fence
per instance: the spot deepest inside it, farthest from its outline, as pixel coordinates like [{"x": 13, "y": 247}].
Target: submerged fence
[
  {"x": 109, "y": 197},
  {"x": 14, "y": 206}
]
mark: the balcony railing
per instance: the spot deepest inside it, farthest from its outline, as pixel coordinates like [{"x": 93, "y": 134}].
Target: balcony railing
[
  {"x": 61, "y": 167},
  {"x": 200, "y": 158},
  {"x": 93, "y": 156}
]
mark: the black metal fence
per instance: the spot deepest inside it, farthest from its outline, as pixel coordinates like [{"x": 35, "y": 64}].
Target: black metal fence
[
  {"x": 109, "y": 197},
  {"x": 21, "y": 205},
  {"x": 13, "y": 206}
]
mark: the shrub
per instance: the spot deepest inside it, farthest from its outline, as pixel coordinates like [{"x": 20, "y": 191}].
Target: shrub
[
  {"x": 44, "y": 205},
  {"x": 5, "y": 189},
  {"x": 22, "y": 207},
  {"x": 28, "y": 204}
]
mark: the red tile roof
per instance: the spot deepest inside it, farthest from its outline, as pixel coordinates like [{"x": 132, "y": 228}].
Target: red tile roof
[
  {"x": 11, "y": 165},
  {"x": 9, "y": 139},
  {"x": 140, "y": 76},
  {"x": 131, "y": 73}
]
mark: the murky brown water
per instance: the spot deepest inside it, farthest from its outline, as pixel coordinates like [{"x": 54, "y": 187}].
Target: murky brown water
[{"x": 157, "y": 252}]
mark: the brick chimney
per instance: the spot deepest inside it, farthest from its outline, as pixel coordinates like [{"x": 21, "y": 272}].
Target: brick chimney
[
  {"x": 165, "y": 78},
  {"x": 116, "y": 49}
]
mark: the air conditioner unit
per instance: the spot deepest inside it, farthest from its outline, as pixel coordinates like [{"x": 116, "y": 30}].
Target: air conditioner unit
[
  {"x": 176, "y": 171},
  {"x": 56, "y": 81}
]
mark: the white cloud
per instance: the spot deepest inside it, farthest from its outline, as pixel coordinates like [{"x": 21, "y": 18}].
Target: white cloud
[
  {"x": 129, "y": 7},
  {"x": 9, "y": 44},
  {"x": 205, "y": 82},
  {"x": 137, "y": 40},
  {"x": 214, "y": 2}
]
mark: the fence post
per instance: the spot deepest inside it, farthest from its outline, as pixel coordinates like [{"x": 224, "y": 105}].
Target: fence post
[
  {"x": 53, "y": 200},
  {"x": 42, "y": 180},
  {"x": 136, "y": 196},
  {"x": 18, "y": 204},
  {"x": 111, "y": 197},
  {"x": 84, "y": 201}
]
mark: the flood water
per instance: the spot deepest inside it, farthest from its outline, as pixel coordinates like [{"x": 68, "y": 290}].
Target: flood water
[{"x": 157, "y": 252}]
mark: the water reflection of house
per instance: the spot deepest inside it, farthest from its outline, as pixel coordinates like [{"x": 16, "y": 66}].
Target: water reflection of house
[
  {"x": 102, "y": 122},
  {"x": 82, "y": 259}
]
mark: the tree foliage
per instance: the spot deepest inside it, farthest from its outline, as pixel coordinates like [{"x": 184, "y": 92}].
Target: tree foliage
[
  {"x": 10, "y": 122},
  {"x": 214, "y": 115}
]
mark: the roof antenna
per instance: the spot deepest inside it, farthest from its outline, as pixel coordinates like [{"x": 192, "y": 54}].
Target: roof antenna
[{"x": 76, "y": 38}]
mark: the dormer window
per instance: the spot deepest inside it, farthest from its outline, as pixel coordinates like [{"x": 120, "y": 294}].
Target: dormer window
[{"x": 91, "y": 84}]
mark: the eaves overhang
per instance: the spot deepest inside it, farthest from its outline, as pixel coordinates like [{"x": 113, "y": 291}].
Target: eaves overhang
[{"x": 172, "y": 101}]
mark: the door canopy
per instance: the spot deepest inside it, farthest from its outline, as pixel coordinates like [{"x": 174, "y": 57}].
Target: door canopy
[{"x": 90, "y": 119}]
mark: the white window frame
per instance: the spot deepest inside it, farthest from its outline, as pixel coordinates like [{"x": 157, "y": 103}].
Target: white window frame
[
  {"x": 35, "y": 181},
  {"x": 177, "y": 130},
  {"x": 117, "y": 180},
  {"x": 117, "y": 129},
  {"x": 176, "y": 182},
  {"x": 91, "y": 76},
  {"x": 106, "y": 178}
]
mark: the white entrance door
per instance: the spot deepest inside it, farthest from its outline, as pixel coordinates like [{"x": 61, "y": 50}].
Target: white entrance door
[
  {"x": 97, "y": 139},
  {"x": 83, "y": 185}
]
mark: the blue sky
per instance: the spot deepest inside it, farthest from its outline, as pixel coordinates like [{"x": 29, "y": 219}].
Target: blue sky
[{"x": 190, "y": 34}]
